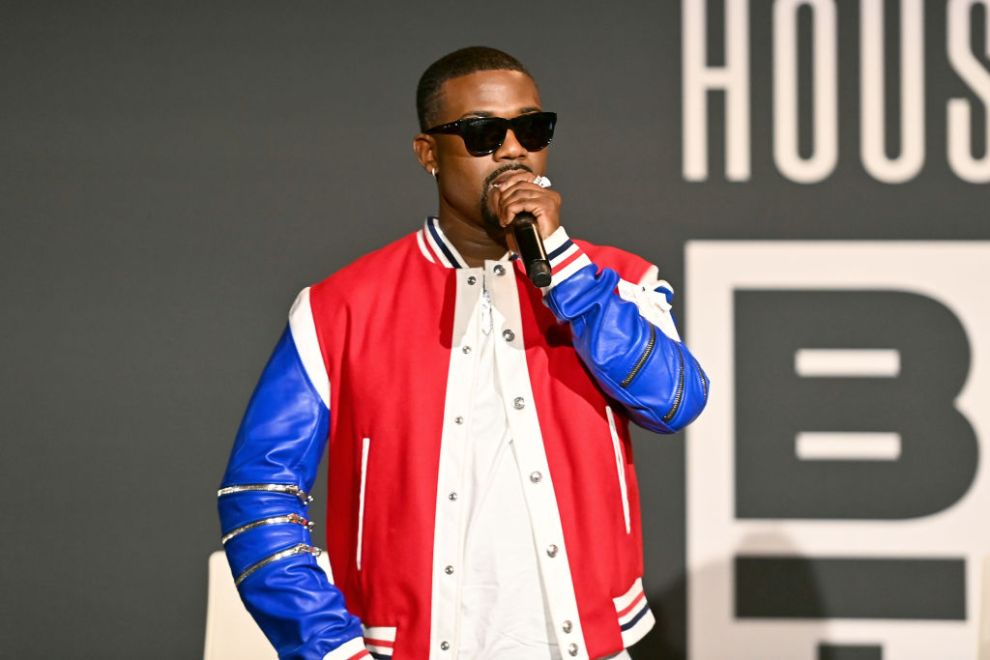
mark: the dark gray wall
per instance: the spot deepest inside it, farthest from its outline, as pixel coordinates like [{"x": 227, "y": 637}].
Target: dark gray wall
[{"x": 171, "y": 174}]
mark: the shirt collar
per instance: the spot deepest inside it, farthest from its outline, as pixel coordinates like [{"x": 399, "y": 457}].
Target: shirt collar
[{"x": 438, "y": 249}]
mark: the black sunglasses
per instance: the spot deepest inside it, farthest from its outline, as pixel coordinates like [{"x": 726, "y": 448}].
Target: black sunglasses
[{"x": 484, "y": 135}]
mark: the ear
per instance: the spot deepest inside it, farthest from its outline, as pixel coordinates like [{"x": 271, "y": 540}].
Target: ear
[{"x": 425, "y": 148}]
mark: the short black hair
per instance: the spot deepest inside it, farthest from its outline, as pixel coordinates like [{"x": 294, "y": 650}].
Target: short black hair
[{"x": 453, "y": 65}]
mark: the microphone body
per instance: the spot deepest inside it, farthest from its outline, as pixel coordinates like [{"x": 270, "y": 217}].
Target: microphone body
[{"x": 531, "y": 249}]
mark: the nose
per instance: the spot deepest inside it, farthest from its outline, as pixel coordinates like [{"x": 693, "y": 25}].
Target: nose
[{"x": 511, "y": 148}]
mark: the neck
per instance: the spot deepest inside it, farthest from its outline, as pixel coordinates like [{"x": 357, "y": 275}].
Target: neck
[{"x": 475, "y": 241}]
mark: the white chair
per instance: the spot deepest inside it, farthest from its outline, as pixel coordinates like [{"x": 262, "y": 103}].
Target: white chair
[{"x": 231, "y": 633}]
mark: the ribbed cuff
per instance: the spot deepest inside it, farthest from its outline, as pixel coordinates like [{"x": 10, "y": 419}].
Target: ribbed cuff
[
  {"x": 350, "y": 650},
  {"x": 566, "y": 258}
]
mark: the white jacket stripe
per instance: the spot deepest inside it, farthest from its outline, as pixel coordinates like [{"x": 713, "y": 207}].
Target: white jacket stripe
[{"x": 304, "y": 335}]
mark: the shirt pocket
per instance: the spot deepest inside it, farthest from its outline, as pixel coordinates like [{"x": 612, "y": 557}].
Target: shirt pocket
[{"x": 620, "y": 466}]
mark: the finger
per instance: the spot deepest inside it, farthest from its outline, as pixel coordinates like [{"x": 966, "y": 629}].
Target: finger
[
  {"x": 510, "y": 210},
  {"x": 509, "y": 180},
  {"x": 523, "y": 191},
  {"x": 530, "y": 196},
  {"x": 520, "y": 185}
]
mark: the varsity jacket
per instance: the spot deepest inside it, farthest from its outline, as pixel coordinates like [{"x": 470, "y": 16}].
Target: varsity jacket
[{"x": 374, "y": 365}]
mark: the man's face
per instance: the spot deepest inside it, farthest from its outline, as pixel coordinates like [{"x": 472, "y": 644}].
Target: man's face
[{"x": 464, "y": 178}]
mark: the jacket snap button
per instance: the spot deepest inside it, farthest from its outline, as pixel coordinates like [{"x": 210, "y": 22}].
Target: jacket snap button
[
  {"x": 572, "y": 649},
  {"x": 519, "y": 403},
  {"x": 452, "y": 497},
  {"x": 466, "y": 350},
  {"x": 499, "y": 269},
  {"x": 446, "y": 645},
  {"x": 508, "y": 335},
  {"x": 567, "y": 626},
  {"x": 472, "y": 279},
  {"x": 535, "y": 477},
  {"x": 552, "y": 550},
  {"x": 449, "y": 570},
  {"x": 458, "y": 420}
]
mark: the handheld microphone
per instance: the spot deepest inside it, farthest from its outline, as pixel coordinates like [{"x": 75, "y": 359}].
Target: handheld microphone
[{"x": 531, "y": 250}]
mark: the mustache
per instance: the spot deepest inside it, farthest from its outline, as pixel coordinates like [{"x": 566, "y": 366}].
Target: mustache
[{"x": 506, "y": 168}]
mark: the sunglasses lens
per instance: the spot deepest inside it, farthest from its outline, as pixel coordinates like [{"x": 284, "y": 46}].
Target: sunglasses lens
[
  {"x": 483, "y": 136},
  {"x": 534, "y": 131}
]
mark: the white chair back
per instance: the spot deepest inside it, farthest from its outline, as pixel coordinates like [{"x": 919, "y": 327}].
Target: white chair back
[{"x": 231, "y": 633}]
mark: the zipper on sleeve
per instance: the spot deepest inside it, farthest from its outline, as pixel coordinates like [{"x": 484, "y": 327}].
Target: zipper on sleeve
[
  {"x": 298, "y": 549},
  {"x": 288, "y": 489},
  {"x": 679, "y": 393},
  {"x": 701, "y": 377},
  {"x": 291, "y": 518},
  {"x": 650, "y": 344}
]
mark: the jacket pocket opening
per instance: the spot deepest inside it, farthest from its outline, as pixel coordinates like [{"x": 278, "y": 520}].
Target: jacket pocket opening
[
  {"x": 619, "y": 466},
  {"x": 365, "y": 447}
]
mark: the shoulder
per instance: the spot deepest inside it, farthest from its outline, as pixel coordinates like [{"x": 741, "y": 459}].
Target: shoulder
[
  {"x": 361, "y": 279},
  {"x": 630, "y": 267},
  {"x": 366, "y": 273}
]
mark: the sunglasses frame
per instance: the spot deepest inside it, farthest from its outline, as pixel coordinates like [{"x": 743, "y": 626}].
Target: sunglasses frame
[{"x": 458, "y": 128}]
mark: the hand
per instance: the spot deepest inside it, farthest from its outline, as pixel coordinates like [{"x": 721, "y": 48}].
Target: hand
[{"x": 515, "y": 192}]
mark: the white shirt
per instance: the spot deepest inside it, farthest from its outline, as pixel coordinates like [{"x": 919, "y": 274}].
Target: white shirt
[
  {"x": 490, "y": 598},
  {"x": 502, "y": 607}
]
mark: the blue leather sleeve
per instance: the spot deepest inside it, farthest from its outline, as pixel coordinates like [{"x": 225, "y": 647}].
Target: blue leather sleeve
[
  {"x": 655, "y": 378},
  {"x": 280, "y": 442}
]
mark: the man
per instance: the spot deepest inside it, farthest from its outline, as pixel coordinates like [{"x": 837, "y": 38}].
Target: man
[{"x": 481, "y": 501}]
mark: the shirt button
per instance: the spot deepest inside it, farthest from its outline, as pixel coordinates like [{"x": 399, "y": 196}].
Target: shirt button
[
  {"x": 471, "y": 279},
  {"x": 508, "y": 335},
  {"x": 572, "y": 649},
  {"x": 519, "y": 403},
  {"x": 449, "y": 570},
  {"x": 536, "y": 477},
  {"x": 444, "y": 645},
  {"x": 452, "y": 497},
  {"x": 458, "y": 420},
  {"x": 567, "y": 626},
  {"x": 466, "y": 350},
  {"x": 499, "y": 270},
  {"x": 551, "y": 550}
]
